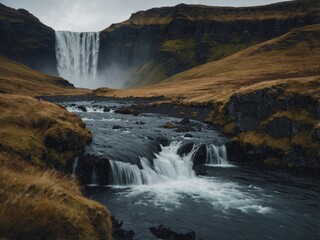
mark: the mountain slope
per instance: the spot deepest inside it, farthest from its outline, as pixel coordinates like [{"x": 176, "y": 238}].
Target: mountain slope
[
  {"x": 25, "y": 39},
  {"x": 178, "y": 38},
  {"x": 266, "y": 98},
  {"x": 20, "y": 79},
  {"x": 293, "y": 55}
]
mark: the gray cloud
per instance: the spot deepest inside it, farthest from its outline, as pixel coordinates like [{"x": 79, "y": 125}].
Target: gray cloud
[{"x": 96, "y": 15}]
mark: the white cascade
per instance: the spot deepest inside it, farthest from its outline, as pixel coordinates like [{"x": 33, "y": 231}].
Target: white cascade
[
  {"x": 94, "y": 177},
  {"x": 168, "y": 165},
  {"x": 77, "y": 56},
  {"x": 216, "y": 155},
  {"x": 74, "y": 165}
]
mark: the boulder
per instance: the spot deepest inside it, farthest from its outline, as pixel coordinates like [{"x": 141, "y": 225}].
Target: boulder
[
  {"x": 82, "y": 108},
  {"x": 185, "y": 121},
  {"x": 163, "y": 232},
  {"x": 118, "y": 233},
  {"x": 200, "y": 155},
  {"x": 188, "y": 135},
  {"x": 185, "y": 148},
  {"x": 162, "y": 140},
  {"x": 127, "y": 111}
]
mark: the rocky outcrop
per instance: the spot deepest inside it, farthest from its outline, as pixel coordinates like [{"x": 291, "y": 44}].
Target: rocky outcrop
[
  {"x": 25, "y": 39},
  {"x": 277, "y": 125},
  {"x": 178, "y": 38}
]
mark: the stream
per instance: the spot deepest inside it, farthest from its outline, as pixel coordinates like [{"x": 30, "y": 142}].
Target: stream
[{"x": 145, "y": 184}]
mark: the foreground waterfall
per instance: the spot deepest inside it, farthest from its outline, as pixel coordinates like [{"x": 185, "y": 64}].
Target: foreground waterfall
[
  {"x": 77, "y": 56},
  {"x": 167, "y": 166}
]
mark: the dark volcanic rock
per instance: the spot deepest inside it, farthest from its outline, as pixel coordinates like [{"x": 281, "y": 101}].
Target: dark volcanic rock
[
  {"x": 316, "y": 134},
  {"x": 188, "y": 135},
  {"x": 199, "y": 158},
  {"x": 163, "y": 232},
  {"x": 185, "y": 148},
  {"x": 118, "y": 233},
  {"x": 282, "y": 127},
  {"x": 248, "y": 110},
  {"x": 185, "y": 121},
  {"x": 82, "y": 108},
  {"x": 200, "y": 155},
  {"x": 127, "y": 111},
  {"x": 162, "y": 140},
  {"x": 87, "y": 164}
]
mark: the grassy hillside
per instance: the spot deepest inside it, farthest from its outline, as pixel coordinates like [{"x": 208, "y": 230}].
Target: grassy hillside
[
  {"x": 37, "y": 201},
  {"x": 25, "y": 39},
  {"x": 165, "y": 15},
  {"x": 293, "y": 55},
  {"x": 19, "y": 79},
  {"x": 175, "y": 39}
]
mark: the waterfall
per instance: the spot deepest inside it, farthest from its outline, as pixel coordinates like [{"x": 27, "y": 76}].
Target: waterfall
[
  {"x": 94, "y": 177},
  {"x": 216, "y": 155},
  {"x": 74, "y": 165},
  {"x": 167, "y": 166},
  {"x": 77, "y": 56}
]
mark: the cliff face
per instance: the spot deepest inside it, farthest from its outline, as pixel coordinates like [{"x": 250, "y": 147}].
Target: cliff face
[
  {"x": 276, "y": 125},
  {"x": 174, "y": 39},
  {"x": 25, "y": 39}
]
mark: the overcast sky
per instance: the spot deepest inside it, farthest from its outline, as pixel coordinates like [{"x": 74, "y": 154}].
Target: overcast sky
[{"x": 96, "y": 15}]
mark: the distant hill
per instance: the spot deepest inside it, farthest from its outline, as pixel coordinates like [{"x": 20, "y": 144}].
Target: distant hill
[
  {"x": 19, "y": 79},
  {"x": 161, "y": 42},
  {"x": 25, "y": 39},
  {"x": 293, "y": 55}
]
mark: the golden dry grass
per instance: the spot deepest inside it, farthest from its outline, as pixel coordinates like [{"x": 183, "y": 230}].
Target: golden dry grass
[
  {"x": 26, "y": 122},
  {"x": 163, "y": 16},
  {"x": 37, "y": 202},
  {"x": 292, "y": 58},
  {"x": 17, "y": 78}
]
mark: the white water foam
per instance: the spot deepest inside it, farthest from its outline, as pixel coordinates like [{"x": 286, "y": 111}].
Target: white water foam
[
  {"x": 75, "y": 165},
  {"x": 171, "y": 179},
  {"x": 89, "y": 109}
]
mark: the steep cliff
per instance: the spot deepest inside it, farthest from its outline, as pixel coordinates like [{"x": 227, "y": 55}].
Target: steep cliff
[
  {"x": 169, "y": 40},
  {"x": 25, "y": 39}
]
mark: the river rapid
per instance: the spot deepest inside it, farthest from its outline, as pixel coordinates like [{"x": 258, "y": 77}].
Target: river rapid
[{"x": 149, "y": 184}]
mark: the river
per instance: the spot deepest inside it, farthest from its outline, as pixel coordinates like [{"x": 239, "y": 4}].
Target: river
[{"x": 150, "y": 185}]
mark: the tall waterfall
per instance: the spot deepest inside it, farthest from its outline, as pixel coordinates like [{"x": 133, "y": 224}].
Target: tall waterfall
[
  {"x": 77, "y": 57},
  {"x": 167, "y": 166}
]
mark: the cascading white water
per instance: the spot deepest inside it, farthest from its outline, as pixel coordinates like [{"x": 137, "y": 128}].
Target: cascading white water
[
  {"x": 74, "y": 165},
  {"x": 168, "y": 166},
  {"x": 216, "y": 155},
  {"x": 94, "y": 177},
  {"x": 77, "y": 56}
]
